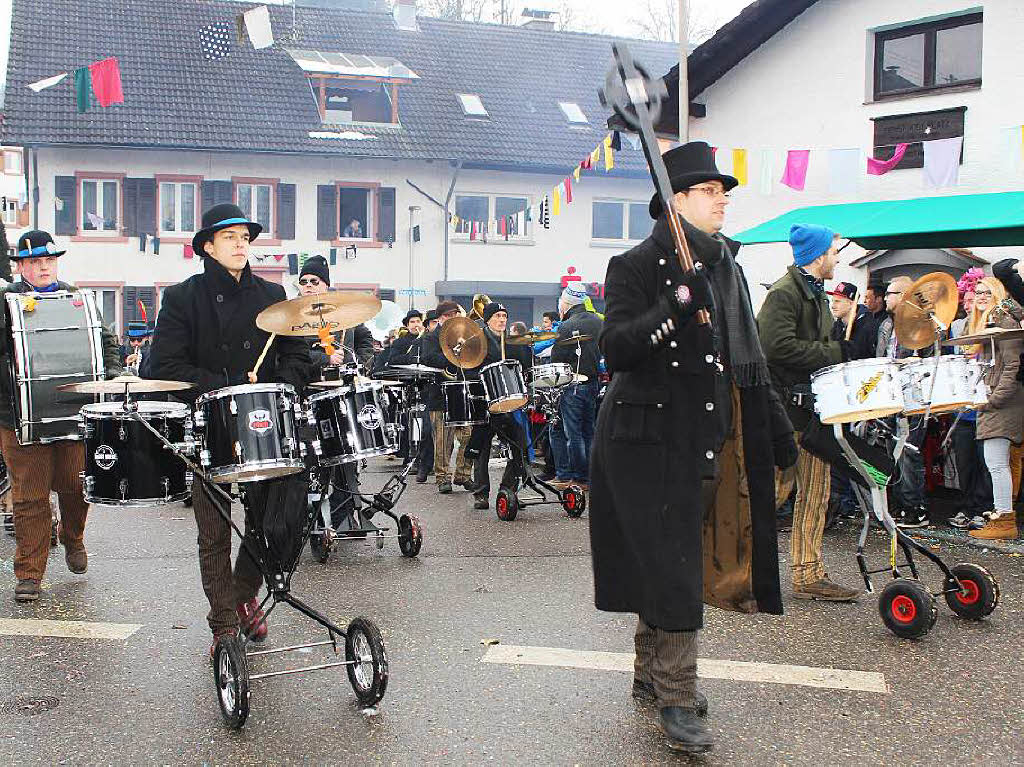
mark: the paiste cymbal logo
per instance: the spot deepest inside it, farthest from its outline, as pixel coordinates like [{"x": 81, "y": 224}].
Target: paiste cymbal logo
[
  {"x": 868, "y": 386},
  {"x": 313, "y": 327}
]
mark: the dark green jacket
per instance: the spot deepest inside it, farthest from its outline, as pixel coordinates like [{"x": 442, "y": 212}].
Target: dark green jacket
[{"x": 794, "y": 325}]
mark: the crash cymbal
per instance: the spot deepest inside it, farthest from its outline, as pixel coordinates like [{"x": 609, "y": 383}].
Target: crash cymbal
[
  {"x": 305, "y": 315},
  {"x": 927, "y": 308},
  {"x": 417, "y": 368},
  {"x": 998, "y": 334},
  {"x": 530, "y": 338},
  {"x": 463, "y": 342},
  {"x": 125, "y": 384},
  {"x": 573, "y": 340}
]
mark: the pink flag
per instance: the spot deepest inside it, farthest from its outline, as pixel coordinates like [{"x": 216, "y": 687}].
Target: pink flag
[
  {"x": 568, "y": 190},
  {"x": 881, "y": 167},
  {"x": 189, "y": 252},
  {"x": 106, "y": 81},
  {"x": 795, "y": 175}
]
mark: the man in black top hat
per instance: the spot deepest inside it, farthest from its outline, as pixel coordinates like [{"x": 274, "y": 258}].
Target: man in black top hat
[
  {"x": 207, "y": 334},
  {"x": 36, "y": 469},
  {"x": 682, "y": 506}
]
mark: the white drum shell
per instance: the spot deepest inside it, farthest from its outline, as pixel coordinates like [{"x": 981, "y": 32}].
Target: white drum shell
[
  {"x": 858, "y": 391},
  {"x": 949, "y": 383}
]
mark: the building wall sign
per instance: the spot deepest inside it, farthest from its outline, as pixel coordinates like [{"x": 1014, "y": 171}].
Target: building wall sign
[{"x": 914, "y": 128}]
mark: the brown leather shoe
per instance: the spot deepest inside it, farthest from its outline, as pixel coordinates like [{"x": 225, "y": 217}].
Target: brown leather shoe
[
  {"x": 27, "y": 590},
  {"x": 826, "y": 591},
  {"x": 78, "y": 561}
]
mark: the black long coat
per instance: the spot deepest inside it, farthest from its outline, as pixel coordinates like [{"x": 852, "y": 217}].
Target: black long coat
[
  {"x": 206, "y": 333},
  {"x": 657, "y": 433}
]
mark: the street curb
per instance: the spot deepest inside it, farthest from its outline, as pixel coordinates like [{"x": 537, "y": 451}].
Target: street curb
[{"x": 1003, "y": 547}]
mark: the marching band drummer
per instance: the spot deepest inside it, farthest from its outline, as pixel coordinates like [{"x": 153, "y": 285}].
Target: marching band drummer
[
  {"x": 37, "y": 469},
  {"x": 207, "y": 334}
]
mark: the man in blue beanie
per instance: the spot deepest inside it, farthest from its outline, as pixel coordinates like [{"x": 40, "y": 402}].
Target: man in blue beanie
[{"x": 794, "y": 325}]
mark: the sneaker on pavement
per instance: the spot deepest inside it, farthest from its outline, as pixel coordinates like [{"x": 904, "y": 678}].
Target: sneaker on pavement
[
  {"x": 249, "y": 615},
  {"x": 826, "y": 591},
  {"x": 466, "y": 484},
  {"x": 481, "y": 503},
  {"x": 421, "y": 477},
  {"x": 78, "y": 561},
  {"x": 961, "y": 521},
  {"x": 912, "y": 518},
  {"x": 444, "y": 488},
  {"x": 27, "y": 590},
  {"x": 977, "y": 523}
]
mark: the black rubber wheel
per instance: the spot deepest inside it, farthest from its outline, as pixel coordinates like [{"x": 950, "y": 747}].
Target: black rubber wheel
[
  {"x": 319, "y": 547},
  {"x": 367, "y": 661},
  {"x": 574, "y": 501},
  {"x": 410, "y": 535},
  {"x": 907, "y": 608},
  {"x": 231, "y": 675},
  {"x": 979, "y": 594},
  {"x": 506, "y": 504}
]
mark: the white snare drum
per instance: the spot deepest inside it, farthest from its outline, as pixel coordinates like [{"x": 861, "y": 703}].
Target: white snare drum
[
  {"x": 858, "y": 391},
  {"x": 949, "y": 383},
  {"x": 552, "y": 375}
]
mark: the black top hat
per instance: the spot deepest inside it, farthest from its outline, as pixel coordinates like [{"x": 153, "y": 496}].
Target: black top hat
[
  {"x": 220, "y": 217},
  {"x": 35, "y": 244},
  {"x": 410, "y": 314},
  {"x": 687, "y": 165}
]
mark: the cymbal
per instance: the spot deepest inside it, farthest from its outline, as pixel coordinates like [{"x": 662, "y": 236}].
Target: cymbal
[
  {"x": 932, "y": 296},
  {"x": 417, "y": 368},
  {"x": 572, "y": 340},
  {"x": 998, "y": 334},
  {"x": 125, "y": 384},
  {"x": 339, "y": 384},
  {"x": 305, "y": 315},
  {"x": 530, "y": 338},
  {"x": 463, "y": 342}
]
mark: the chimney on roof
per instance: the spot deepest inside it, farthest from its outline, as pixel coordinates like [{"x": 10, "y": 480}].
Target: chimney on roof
[
  {"x": 535, "y": 18},
  {"x": 404, "y": 13}
]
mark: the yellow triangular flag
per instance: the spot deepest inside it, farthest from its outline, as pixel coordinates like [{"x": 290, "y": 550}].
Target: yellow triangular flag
[
  {"x": 556, "y": 201},
  {"x": 609, "y": 159},
  {"x": 739, "y": 165},
  {"x": 595, "y": 156},
  {"x": 455, "y": 221},
  {"x": 576, "y": 173}
]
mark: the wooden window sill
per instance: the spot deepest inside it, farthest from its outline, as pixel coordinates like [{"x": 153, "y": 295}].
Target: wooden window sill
[
  {"x": 97, "y": 238},
  {"x": 358, "y": 243}
]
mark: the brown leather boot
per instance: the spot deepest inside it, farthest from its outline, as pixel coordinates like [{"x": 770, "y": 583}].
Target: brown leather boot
[
  {"x": 78, "y": 561},
  {"x": 999, "y": 528}
]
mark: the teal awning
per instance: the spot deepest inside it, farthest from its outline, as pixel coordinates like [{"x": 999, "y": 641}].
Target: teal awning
[{"x": 957, "y": 221}]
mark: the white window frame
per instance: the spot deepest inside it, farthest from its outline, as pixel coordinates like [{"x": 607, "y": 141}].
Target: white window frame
[
  {"x": 116, "y": 231},
  {"x": 10, "y": 211},
  {"x": 14, "y": 153},
  {"x": 115, "y": 291},
  {"x": 196, "y": 191},
  {"x": 251, "y": 214},
  {"x": 573, "y": 113},
  {"x": 615, "y": 241},
  {"x": 472, "y": 105},
  {"x": 494, "y": 237}
]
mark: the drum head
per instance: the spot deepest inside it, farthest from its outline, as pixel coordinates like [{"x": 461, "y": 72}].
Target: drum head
[{"x": 508, "y": 405}]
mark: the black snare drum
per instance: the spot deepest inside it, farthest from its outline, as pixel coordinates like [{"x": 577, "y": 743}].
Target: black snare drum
[
  {"x": 504, "y": 386},
  {"x": 351, "y": 424},
  {"x": 125, "y": 463},
  {"x": 248, "y": 432},
  {"x": 464, "y": 403}
]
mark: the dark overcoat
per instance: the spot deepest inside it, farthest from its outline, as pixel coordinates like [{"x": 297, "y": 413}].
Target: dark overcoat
[
  {"x": 206, "y": 333},
  {"x": 657, "y": 433}
]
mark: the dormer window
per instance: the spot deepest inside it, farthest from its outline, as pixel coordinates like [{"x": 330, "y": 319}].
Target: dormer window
[
  {"x": 352, "y": 89},
  {"x": 471, "y": 104},
  {"x": 572, "y": 112}
]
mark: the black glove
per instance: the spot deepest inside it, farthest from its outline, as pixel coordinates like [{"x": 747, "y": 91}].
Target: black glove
[
  {"x": 691, "y": 294},
  {"x": 784, "y": 450}
]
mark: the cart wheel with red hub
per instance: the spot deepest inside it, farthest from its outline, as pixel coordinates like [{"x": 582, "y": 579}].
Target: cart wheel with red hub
[
  {"x": 410, "y": 535},
  {"x": 231, "y": 675},
  {"x": 506, "y": 504},
  {"x": 574, "y": 501},
  {"x": 907, "y": 608},
  {"x": 978, "y": 594}
]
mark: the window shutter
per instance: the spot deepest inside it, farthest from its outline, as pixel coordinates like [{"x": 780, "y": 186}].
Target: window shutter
[
  {"x": 132, "y": 295},
  {"x": 386, "y": 214},
  {"x": 286, "y": 211},
  {"x": 145, "y": 205},
  {"x": 129, "y": 216},
  {"x": 215, "y": 193},
  {"x": 326, "y": 212},
  {"x": 65, "y": 188}
]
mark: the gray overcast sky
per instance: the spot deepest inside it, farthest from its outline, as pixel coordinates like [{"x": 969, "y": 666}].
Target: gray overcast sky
[{"x": 617, "y": 17}]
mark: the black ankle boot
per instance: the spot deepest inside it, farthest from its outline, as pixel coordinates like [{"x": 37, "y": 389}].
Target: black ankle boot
[{"x": 685, "y": 731}]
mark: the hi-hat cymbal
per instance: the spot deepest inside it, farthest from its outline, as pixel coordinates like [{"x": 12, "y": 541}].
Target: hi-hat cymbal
[
  {"x": 573, "y": 340},
  {"x": 531, "y": 338},
  {"x": 463, "y": 342},
  {"x": 340, "y": 384},
  {"x": 930, "y": 301},
  {"x": 984, "y": 336},
  {"x": 305, "y": 315},
  {"x": 416, "y": 369},
  {"x": 125, "y": 384}
]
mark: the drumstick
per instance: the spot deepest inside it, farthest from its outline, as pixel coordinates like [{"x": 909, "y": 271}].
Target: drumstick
[
  {"x": 263, "y": 354},
  {"x": 503, "y": 346},
  {"x": 849, "y": 325}
]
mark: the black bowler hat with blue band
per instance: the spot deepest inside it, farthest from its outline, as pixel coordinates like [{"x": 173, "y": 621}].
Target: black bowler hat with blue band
[
  {"x": 36, "y": 244},
  {"x": 139, "y": 330},
  {"x": 221, "y": 217}
]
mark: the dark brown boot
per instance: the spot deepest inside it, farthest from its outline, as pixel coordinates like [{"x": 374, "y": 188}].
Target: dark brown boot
[
  {"x": 78, "y": 561},
  {"x": 27, "y": 590}
]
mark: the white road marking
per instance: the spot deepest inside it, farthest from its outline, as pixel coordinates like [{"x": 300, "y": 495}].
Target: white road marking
[
  {"x": 66, "y": 629},
  {"x": 708, "y": 668}
]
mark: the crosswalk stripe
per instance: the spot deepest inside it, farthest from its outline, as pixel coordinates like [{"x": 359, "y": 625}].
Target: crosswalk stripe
[
  {"x": 708, "y": 668},
  {"x": 66, "y": 629}
]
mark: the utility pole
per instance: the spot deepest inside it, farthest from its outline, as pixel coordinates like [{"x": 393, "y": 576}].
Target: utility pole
[{"x": 684, "y": 79}]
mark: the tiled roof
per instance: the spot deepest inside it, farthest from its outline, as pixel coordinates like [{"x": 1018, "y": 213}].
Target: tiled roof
[{"x": 260, "y": 100}]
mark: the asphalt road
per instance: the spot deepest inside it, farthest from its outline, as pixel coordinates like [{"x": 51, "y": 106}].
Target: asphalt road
[{"x": 954, "y": 697}]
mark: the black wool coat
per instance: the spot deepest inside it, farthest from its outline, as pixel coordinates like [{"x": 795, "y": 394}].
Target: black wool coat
[
  {"x": 432, "y": 356},
  {"x": 579, "y": 320},
  {"x": 206, "y": 333},
  {"x": 657, "y": 433}
]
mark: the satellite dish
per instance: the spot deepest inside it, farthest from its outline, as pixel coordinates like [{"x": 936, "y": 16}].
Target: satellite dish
[{"x": 387, "y": 319}]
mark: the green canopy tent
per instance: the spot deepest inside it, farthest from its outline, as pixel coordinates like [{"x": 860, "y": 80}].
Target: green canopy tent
[{"x": 956, "y": 221}]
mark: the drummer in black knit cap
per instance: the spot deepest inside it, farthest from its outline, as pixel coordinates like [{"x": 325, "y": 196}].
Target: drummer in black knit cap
[{"x": 355, "y": 345}]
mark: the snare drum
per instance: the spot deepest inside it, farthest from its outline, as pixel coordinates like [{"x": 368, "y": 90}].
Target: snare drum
[
  {"x": 949, "y": 383},
  {"x": 125, "y": 463},
  {"x": 552, "y": 375},
  {"x": 464, "y": 403},
  {"x": 858, "y": 391},
  {"x": 504, "y": 386},
  {"x": 350, "y": 423},
  {"x": 248, "y": 432}
]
